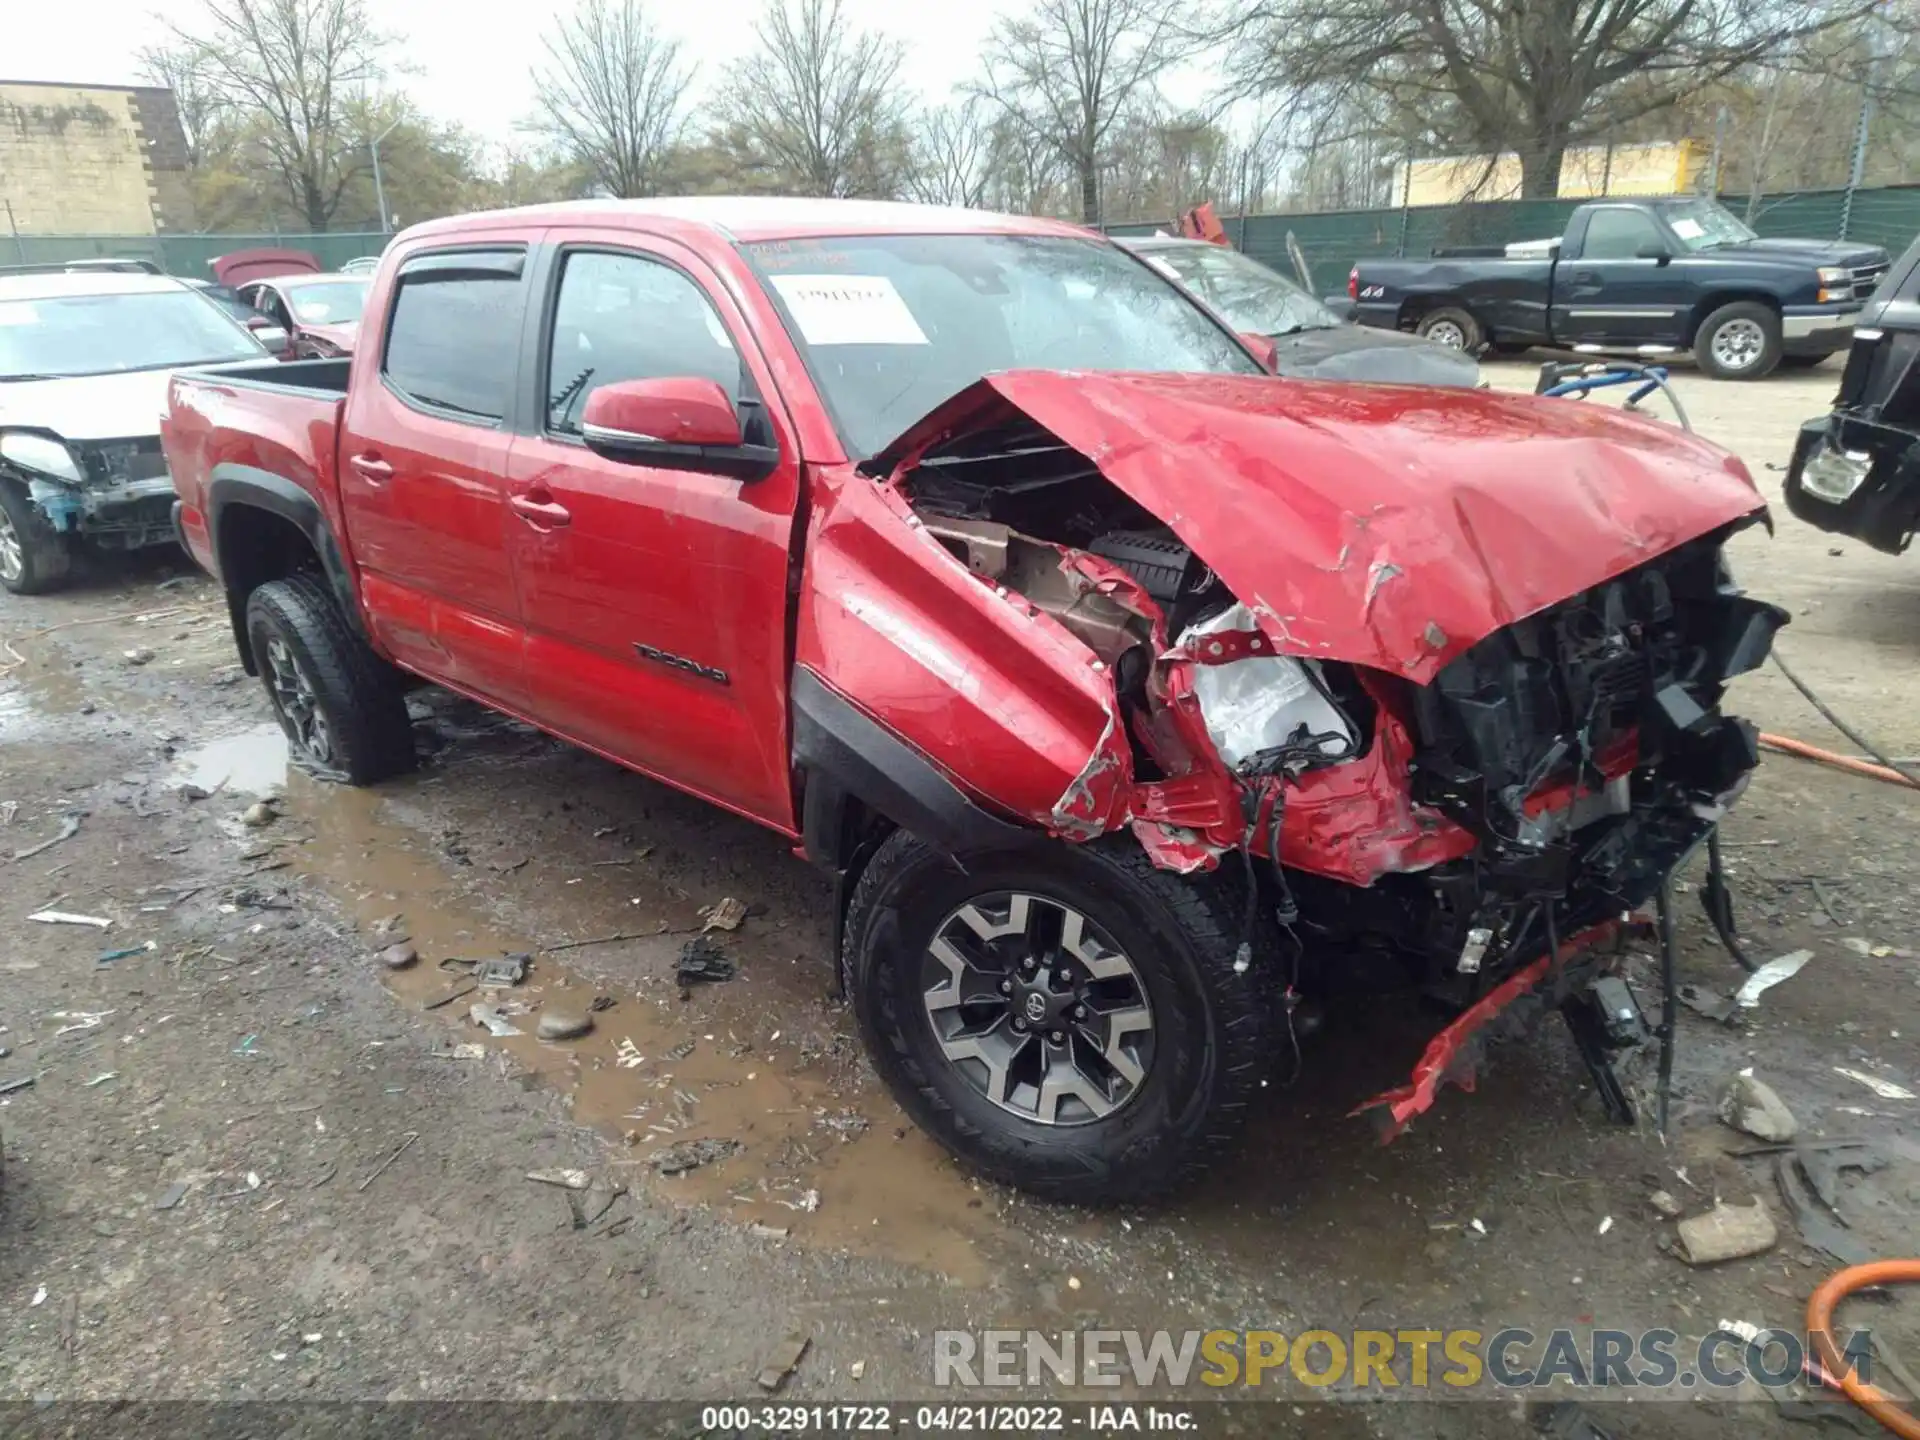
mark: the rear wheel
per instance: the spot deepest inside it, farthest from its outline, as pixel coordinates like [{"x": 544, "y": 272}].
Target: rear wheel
[
  {"x": 1740, "y": 341},
  {"x": 34, "y": 557},
  {"x": 1066, "y": 1018},
  {"x": 1452, "y": 327},
  {"x": 339, "y": 704}
]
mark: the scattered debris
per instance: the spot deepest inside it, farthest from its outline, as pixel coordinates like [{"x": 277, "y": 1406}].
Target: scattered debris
[
  {"x": 107, "y": 957},
  {"x": 627, "y": 1055},
  {"x": 780, "y": 1364},
  {"x": 1567, "y": 1420},
  {"x": 260, "y": 813},
  {"x": 139, "y": 655},
  {"x": 808, "y": 1202},
  {"x": 600, "y": 1003},
  {"x": 565, "y": 1179},
  {"x": 1606, "y": 1223},
  {"x": 843, "y": 1122},
  {"x": 702, "y": 962},
  {"x": 723, "y": 914},
  {"x": 597, "y": 940},
  {"x": 398, "y": 1151},
  {"x": 247, "y": 1046},
  {"x": 449, "y": 995},
  {"x": 1768, "y": 976},
  {"x": 1751, "y": 1107},
  {"x": 501, "y": 971},
  {"x": 389, "y": 924},
  {"x": 399, "y": 956},
  {"x": 100, "y": 1079},
  {"x": 563, "y": 1025},
  {"x": 857, "y": 1369},
  {"x": 1727, "y": 1232},
  {"x": 1708, "y": 1003},
  {"x": 1821, "y": 1231},
  {"x": 62, "y": 917},
  {"x": 769, "y": 1232},
  {"x": 496, "y": 1023},
  {"x": 171, "y": 1196},
  {"x": 39, "y": 1297},
  {"x": 69, "y": 827},
  {"x": 1664, "y": 1204},
  {"x": 692, "y": 1154},
  {"x": 7, "y": 1087},
  {"x": 682, "y": 1050},
  {"x": 79, "y": 1020},
  {"x": 468, "y": 1050},
  {"x": 1885, "y": 1089}
]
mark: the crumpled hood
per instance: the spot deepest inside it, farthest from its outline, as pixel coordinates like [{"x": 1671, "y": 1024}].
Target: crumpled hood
[
  {"x": 123, "y": 406},
  {"x": 341, "y": 334},
  {"x": 1385, "y": 526}
]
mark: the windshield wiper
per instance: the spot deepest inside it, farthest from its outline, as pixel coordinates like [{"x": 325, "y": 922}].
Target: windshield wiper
[{"x": 4, "y": 378}]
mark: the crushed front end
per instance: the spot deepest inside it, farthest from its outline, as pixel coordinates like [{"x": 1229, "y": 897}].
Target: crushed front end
[
  {"x": 1451, "y": 745},
  {"x": 114, "y": 493}
]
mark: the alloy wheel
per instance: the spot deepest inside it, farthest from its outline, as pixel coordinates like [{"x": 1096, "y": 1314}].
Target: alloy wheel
[
  {"x": 13, "y": 560},
  {"x": 1445, "y": 332},
  {"x": 1034, "y": 1004},
  {"x": 1738, "y": 344},
  {"x": 296, "y": 703}
]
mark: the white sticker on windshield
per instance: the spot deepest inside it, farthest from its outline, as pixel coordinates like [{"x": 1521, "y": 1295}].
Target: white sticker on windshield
[
  {"x": 1688, "y": 229},
  {"x": 18, "y": 313},
  {"x": 848, "y": 310}
]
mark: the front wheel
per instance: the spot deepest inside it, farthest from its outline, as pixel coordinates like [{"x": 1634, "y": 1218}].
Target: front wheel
[
  {"x": 340, "y": 707},
  {"x": 1066, "y": 1018},
  {"x": 34, "y": 557},
  {"x": 1802, "y": 362},
  {"x": 1740, "y": 341}
]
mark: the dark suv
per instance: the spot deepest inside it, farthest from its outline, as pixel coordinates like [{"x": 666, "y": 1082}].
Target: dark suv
[{"x": 1856, "y": 471}]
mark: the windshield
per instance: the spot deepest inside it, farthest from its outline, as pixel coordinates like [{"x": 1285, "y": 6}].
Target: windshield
[
  {"x": 338, "y": 302},
  {"x": 1703, "y": 224},
  {"x": 1252, "y": 298},
  {"x": 102, "y": 334},
  {"x": 894, "y": 324}
]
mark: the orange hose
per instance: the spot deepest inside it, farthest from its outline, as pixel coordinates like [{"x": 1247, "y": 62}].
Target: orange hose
[
  {"x": 1788, "y": 746},
  {"x": 1820, "y": 1307}
]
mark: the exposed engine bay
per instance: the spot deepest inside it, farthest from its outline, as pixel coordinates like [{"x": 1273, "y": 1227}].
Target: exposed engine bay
[{"x": 1548, "y": 778}]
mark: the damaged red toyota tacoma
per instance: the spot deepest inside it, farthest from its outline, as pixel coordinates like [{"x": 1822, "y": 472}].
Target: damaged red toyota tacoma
[{"x": 1133, "y": 697}]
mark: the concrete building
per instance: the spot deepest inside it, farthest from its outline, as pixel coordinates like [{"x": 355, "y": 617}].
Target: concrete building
[
  {"x": 91, "y": 160},
  {"x": 1664, "y": 168}
]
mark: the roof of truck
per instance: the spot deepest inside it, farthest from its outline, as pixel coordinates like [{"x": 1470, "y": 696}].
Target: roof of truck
[
  {"x": 766, "y": 217},
  {"x": 54, "y": 284}
]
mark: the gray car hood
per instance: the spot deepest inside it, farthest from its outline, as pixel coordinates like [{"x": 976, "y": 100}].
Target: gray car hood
[
  {"x": 125, "y": 406},
  {"x": 1354, "y": 352}
]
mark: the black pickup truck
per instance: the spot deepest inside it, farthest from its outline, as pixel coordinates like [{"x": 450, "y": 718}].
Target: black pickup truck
[
  {"x": 1634, "y": 277},
  {"x": 1857, "y": 471}
]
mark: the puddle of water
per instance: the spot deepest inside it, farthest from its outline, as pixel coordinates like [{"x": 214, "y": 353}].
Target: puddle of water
[
  {"x": 878, "y": 1192},
  {"x": 253, "y": 762}
]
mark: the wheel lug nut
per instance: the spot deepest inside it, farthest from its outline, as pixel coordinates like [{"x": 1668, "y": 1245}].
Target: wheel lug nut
[
  {"x": 1058, "y": 1036},
  {"x": 1061, "y": 977},
  {"x": 1006, "y": 987},
  {"x": 1079, "y": 1012},
  {"x": 1019, "y": 1024}
]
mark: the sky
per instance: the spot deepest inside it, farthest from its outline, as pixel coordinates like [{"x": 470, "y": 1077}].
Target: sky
[{"x": 470, "y": 58}]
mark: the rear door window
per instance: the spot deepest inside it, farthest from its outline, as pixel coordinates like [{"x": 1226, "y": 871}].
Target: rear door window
[{"x": 455, "y": 331}]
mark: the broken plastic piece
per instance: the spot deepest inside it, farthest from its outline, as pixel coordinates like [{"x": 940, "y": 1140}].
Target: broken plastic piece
[
  {"x": 1768, "y": 976},
  {"x": 702, "y": 961}
]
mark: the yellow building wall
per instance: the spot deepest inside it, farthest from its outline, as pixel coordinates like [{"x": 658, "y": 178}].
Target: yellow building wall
[
  {"x": 1664, "y": 168},
  {"x": 73, "y": 161}
]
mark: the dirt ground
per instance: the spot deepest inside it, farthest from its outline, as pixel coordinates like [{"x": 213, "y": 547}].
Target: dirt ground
[{"x": 253, "y": 1164}]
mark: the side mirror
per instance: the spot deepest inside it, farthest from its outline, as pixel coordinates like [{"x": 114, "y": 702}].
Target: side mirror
[
  {"x": 1655, "y": 252},
  {"x": 271, "y": 336},
  {"x": 678, "y": 423},
  {"x": 1263, "y": 348}
]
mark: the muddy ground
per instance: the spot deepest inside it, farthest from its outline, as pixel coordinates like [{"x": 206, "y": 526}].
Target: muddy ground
[{"x": 252, "y": 1164}]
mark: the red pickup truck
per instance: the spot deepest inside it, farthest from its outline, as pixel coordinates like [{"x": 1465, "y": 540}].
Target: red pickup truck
[{"x": 1135, "y": 699}]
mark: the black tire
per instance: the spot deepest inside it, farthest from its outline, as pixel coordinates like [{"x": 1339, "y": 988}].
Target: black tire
[
  {"x": 1212, "y": 1026},
  {"x": 363, "y": 734},
  {"x": 1442, "y": 326},
  {"x": 1802, "y": 362},
  {"x": 1510, "y": 348},
  {"x": 1757, "y": 329},
  {"x": 45, "y": 555}
]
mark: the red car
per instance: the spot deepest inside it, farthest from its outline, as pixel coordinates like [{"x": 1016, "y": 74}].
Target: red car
[
  {"x": 1134, "y": 699},
  {"x": 320, "y": 312}
]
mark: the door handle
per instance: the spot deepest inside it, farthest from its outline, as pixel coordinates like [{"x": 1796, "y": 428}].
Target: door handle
[
  {"x": 1586, "y": 277},
  {"x": 541, "y": 514},
  {"x": 371, "y": 468}
]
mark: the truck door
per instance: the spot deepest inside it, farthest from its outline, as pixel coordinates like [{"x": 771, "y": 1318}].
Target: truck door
[
  {"x": 423, "y": 459},
  {"x": 1616, "y": 293},
  {"x": 655, "y": 600}
]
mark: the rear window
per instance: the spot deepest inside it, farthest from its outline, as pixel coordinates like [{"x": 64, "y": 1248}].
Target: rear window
[{"x": 455, "y": 331}]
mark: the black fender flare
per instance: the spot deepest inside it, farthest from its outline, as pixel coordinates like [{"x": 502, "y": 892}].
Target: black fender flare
[{"x": 232, "y": 486}]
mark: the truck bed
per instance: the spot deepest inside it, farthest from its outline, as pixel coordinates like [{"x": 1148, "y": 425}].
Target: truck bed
[{"x": 272, "y": 418}]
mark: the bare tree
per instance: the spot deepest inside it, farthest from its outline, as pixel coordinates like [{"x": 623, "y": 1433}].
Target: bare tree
[
  {"x": 815, "y": 107},
  {"x": 1067, "y": 71},
  {"x": 296, "y": 64},
  {"x": 612, "y": 95},
  {"x": 1534, "y": 76},
  {"x": 196, "y": 98},
  {"x": 952, "y": 154}
]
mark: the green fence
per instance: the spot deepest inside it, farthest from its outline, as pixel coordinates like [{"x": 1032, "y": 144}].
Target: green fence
[
  {"x": 185, "y": 255},
  {"x": 1333, "y": 240}
]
